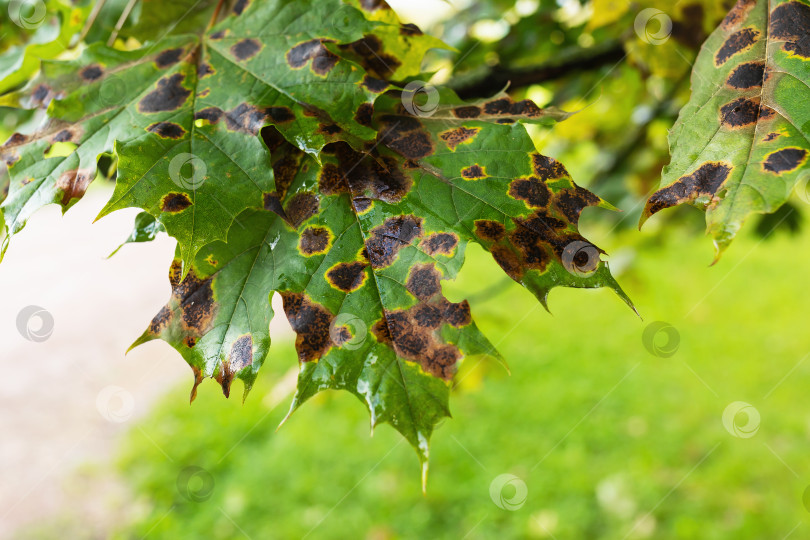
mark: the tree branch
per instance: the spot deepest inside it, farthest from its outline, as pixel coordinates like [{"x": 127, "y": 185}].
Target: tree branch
[{"x": 500, "y": 76}]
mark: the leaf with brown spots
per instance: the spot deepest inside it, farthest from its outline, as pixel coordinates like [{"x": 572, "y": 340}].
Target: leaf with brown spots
[
  {"x": 743, "y": 141},
  {"x": 183, "y": 114},
  {"x": 218, "y": 314},
  {"x": 279, "y": 151}
]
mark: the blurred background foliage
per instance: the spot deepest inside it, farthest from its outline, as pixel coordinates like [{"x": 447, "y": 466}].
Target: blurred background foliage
[{"x": 611, "y": 441}]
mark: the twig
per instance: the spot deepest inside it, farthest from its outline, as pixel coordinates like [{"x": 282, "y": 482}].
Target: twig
[
  {"x": 90, "y": 20},
  {"x": 499, "y": 76},
  {"x": 215, "y": 15},
  {"x": 121, "y": 21}
]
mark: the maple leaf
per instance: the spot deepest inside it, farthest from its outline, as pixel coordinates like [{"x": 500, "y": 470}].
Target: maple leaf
[
  {"x": 288, "y": 156},
  {"x": 742, "y": 142}
]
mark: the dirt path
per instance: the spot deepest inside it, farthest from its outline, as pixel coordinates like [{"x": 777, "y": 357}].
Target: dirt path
[{"x": 66, "y": 400}]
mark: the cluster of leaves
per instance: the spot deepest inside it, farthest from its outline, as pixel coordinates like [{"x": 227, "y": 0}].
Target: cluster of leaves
[
  {"x": 741, "y": 144},
  {"x": 277, "y": 145},
  {"x": 283, "y": 146}
]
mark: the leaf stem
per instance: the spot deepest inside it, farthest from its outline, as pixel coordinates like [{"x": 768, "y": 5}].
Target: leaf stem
[
  {"x": 215, "y": 15},
  {"x": 121, "y": 21},
  {"x": 90, "y": 20}
]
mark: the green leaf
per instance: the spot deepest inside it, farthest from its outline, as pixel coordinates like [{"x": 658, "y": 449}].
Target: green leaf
[
  {"x": 192, "y": 102},
  {"x": 741, "y": 143},
  {"x": 285, "y": 158},
  {"x": 146, "y": 229},
  {"x": 49, "y": 40}
]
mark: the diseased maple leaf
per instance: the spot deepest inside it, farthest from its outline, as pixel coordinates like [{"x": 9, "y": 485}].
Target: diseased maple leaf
[
  {"x": 194, "y": 101},
  {"x": 742, "y": 142},
  {"x": 288, "y": 156}
]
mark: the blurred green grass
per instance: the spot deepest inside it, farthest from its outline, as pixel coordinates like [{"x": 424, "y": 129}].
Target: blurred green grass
[{"x": 607, "y": 437}]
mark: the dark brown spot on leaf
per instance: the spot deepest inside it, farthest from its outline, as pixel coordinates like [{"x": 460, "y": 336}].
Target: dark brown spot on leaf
[
  {"x": 210, "y": 114},
  {"x": 738, "y": 14},
  {"x": 280, "y": 115},
  {"x": 423, "y": 282},
  {"x": 532, "y": 191},
  {"x": 748, "y": 75},
  {"x": 168, "y": 57},
  {"x": 91, "y": 73},
  {"x": 73, "y": 184},
  {"x": 473, "y": 172},
  {"x": 245, "y": 49},
  {"x": 167, "y": 130},
  {"x": 41, "y": 95},
  {"x": 454, "y": 137},
  {"x": 240, "y": 5},
  {"x": 373, "y": 84},
  {"x": 160, "y": 321},
  {"x": 458, "y": 314},
  {"x": 467, "y": 111},
  {"x": 533, "y": 245},
  {"x": 371, "y": 56},
  {"x": 347, "y": 277},
  {"x": 314, "y": 240},
  {"x": 196, "y": 298},
  {"x": 218, "y": 35},
  {"x": 364, "y": 114},
  {"x": 272, "y": 203},
  {"x": 405, "y": 136},
  {"x": 737, "y": 42},
  {"x": 487, "y": 229},
  {"x": 507, "y": 107},
  {"x": 410, "y": 29},
  {"x": 571, "y": 202},
  {"x": 766, "y": 113},
  {"x": 427, "y": 315},
  {"x": 323, "y": 60},
  {"x": 771, "y": 136},
  {"x": 372, "y": 177},
  {"x": 331, "y": 180},
  {"x": 439, "y": 244},
  {"x": 784, "y": 160},
  {"x": 387, "y": 239},
  {"x": 246, "y": 119},
  {"x": 790, "y": 22},
  {"x": 706, "y": 180},
  {"x": 175, "y": 202},
  {"x": 329, "y": 129},
  {"x": 548, "y": 168},
  {"x": 63, "y": 136},
  {"x": 169, "y": 95},
  {"x": 205, "y": 69},
  {"x": 311, "y": 322},
  {"x": 739, "y": 113},
  {"x": 301, "y": 207}
]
